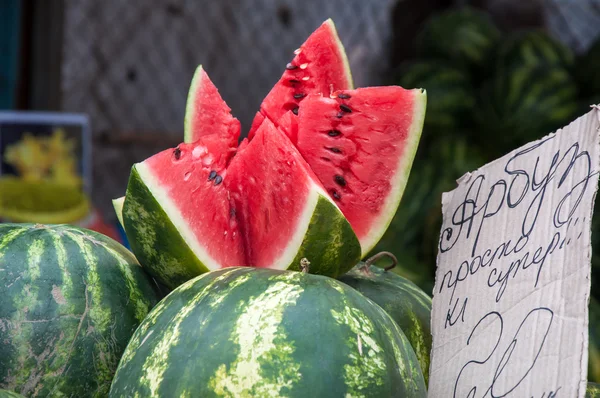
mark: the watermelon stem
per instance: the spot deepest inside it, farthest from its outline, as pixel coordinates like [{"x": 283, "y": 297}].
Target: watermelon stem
[
  {"x": 304, "y": 265},
  {"x": 378, "y": 256}
]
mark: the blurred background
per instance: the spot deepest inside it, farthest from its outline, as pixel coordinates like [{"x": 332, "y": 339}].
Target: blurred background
[{"x": 499, "y": 73}]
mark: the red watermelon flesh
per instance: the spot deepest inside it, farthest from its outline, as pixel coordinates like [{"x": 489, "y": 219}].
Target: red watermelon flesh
[
  {"x": 206, "y": 112},
  {"x": 319, "y": 66},
  {"x": 361, "y": 144},
  {"x": 187, "y": 177},
  {"x": 252, "y": 209}
]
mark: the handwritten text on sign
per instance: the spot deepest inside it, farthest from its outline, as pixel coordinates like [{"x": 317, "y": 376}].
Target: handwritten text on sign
[{"x": 512, "y": 284}]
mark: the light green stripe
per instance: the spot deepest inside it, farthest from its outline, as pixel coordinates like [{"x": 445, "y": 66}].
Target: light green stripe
[{"x": 259, "y": 334}]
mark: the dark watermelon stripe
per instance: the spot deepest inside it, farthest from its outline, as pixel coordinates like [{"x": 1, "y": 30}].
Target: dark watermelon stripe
[
  {"x": 9, "y": 394},
  {"x": 73, "y": 299},
  {"x": 404, "y": 301},
  {"x": 262, "y": 332}
]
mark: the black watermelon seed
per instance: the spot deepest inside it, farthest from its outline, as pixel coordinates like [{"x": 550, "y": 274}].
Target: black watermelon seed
[
  {"x": 333, "y": 133},
  {"x": 339, "y": 180},
  {"x": 335, "y": 150},
  {"x": 232, "y": 212},
  {"x": 218, "y": 180},
  {"x": 291, "y": 66},
  {"x": 295, "y": 110},
  {"x": 299, "y": 95},
  {"x": 294, "y": 81},
  {"x": 212, "y": 175},
  {"x": 344, "y": 96},
  {"x": 345, "y": 108},
  {"x": 336, "y": 195},
  {"x": 177, "y": 153}
]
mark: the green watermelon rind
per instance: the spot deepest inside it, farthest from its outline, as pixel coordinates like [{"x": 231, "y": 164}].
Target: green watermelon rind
[
  {"x": 400, "y": 179},
  {"x": 153, "y": 237},
  {"x": 404, "y": 301},
  {"x": 267, "y": 333},
  {"x": 71, "y": 300},
  {"x": 342, "y": 50},
  {"x": 190, "y": 106},
  {"x": 165, "y": 246},
  {"x": 118, "y": 206},
  {"x": 592, "y": 390},
  {"x": 9, "y": 394}
]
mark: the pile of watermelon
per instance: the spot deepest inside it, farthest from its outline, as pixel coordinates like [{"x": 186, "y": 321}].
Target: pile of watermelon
[
  {"x": 489, "y": 91},
  {"x": 252, "y": 274}
]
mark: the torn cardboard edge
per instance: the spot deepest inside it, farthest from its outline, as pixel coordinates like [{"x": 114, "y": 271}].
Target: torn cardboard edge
[{"x": 591, "y": 120}]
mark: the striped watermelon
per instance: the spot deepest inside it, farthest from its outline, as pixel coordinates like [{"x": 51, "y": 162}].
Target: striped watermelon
[
  {"x": 466, "y": 37},
  {"x": 9, "y": 394},
  {"x": 524, "y": 104},
  {"x": 592, "y": 391},
  {"x": 71, "y": 300},
  {"x": 408, "y": 305},
  {"x": 586, "y": 71},
  {"x": 244, "y": 332},
  {"x": 450, "y": 95},
  {"x": 594, "y": 341},
  {"x": 533, "y": 48}
]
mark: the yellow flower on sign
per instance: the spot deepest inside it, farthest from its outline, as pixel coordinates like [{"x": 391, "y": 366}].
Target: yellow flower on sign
[{"x": 50, "y": 158}]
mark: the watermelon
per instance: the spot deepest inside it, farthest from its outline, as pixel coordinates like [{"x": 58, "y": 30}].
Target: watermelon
[
  {"x": 210, "y": 203},
  {"x": 451, "y": 97},
  {"x": 408, "y": 305},
  {"x": 592, "y": 390},
  {"x": 206, "y": 113},
  {"x": 533, "y": 48},
  {"x": 361, "y": 144},
  {"x": 71, "y": 300},
  {"x": 9, "y": 394},
  {"x": 196, "y": 208},
  {"x": 594, "y": 341},
  {"x": 465, "y": 36},
  {"x": 247, "y": 332},
  {"x": 319, "y": 66},
  {"x": 524, "y": 104},
  {"x": 586, "y": 71}
]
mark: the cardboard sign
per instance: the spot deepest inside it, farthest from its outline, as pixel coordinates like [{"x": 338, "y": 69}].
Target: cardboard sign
[
  {"x": 46, "y": 146},
  {"x": 510, "y": 305}
]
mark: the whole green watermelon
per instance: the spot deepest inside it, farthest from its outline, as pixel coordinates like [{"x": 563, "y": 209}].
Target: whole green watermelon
[
  {"x": 408, "y": 305},
  {"x": 587, "y": 68},
  {"x": 533, "y": 48},
  {"x": 594, "y": 341},
  {"x": 9, "y": 394},
  {"x": 524, "y": 104},
  {"x": 450, "y": 96},
  {"x": 464, "y": 36},
  {"x": 70, "y": 301},
  {"x": 592, "y": 391},
  {"x": 247, "y": 332}
]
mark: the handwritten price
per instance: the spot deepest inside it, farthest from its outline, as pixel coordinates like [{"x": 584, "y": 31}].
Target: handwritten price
[{"x": 531, "y": 335}]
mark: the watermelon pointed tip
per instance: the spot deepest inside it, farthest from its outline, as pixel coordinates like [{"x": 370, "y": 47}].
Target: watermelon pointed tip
[
  {"x": 342, "y": 52},
  {"x": 118, "y": 206}
]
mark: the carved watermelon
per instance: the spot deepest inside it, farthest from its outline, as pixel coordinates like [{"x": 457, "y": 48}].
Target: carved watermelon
[{"x": 320, "y": 176}]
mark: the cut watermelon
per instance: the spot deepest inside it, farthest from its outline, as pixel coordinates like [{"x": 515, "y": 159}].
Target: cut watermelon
[
  {"x": 361, "y": 144},
  {"x": 193, "y": 209},
  {"x": 320, "y": 65},
  {"x": 320, "y": 175},
  {"x": 206, "y": 113}
]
